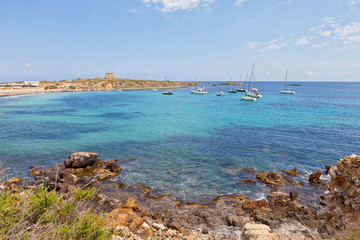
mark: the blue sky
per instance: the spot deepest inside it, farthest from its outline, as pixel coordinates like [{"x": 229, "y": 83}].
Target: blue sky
[{"x": 150, "y": 39}]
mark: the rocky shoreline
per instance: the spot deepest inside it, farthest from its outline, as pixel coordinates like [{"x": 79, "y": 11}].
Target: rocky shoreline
[{"x": 137, "y": 214}]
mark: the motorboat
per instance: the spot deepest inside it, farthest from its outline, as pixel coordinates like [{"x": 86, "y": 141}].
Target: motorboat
[
  {"x": 168, "y": 92},
  {"x": 220, "y": 94},
  {"x": 232, "y": 91},
  {"x": 200, "y": 91}
]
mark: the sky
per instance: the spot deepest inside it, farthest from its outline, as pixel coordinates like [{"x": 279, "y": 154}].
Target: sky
[{"x": 177, "y": 39}]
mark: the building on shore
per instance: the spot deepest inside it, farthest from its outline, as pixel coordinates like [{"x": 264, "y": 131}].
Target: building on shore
[
  {"x": 31, "y": 83},
  {"x": 109, "y": 75}
]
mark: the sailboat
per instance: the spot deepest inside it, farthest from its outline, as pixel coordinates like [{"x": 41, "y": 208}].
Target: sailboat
[
  {"x": 248, "y": 95},
  {"x": 252, "y": 90},
  {"x": 243, "y": 89},
  {"x": 286, "y": 90},
  {"x": 199, "y": 91},
  {"x": 232, "y": 90}
]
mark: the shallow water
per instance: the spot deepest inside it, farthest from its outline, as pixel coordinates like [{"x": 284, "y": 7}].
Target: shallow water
[{"x": 190, "y": 145}]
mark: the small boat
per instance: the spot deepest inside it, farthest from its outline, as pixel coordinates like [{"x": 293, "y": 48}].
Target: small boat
[
  {"x": 220, "y": 94},
  {"x": 168, "y": 92},
  {"x": 200, "y": 91},
  {"x": 241, "y": 90},
  {"x": 286, "y": 90},
  {"x": 232, "y": 91},
  {"x": 214, "y": 84},
  {"x": 248, "y": 98},
  {"x": 154, "y": 89}
]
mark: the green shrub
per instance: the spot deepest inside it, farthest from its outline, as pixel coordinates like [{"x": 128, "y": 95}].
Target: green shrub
[{"x": 44, "y": 214}]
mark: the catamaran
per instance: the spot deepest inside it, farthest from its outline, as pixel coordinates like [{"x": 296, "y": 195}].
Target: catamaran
[{"x": 286, "y": 90}]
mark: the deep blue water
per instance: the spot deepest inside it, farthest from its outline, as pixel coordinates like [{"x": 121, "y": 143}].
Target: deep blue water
[{"x": 189, "y": 145}]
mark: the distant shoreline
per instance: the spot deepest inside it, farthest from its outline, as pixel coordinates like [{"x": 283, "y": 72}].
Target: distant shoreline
[{"x": 27, "y": 91}]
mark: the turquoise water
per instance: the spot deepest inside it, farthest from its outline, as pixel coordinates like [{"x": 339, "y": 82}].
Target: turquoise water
[{"x": 190, "y": 145}]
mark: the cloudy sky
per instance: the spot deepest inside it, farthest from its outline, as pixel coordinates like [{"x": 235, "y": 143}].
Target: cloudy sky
[{"x": 150, "y": 39}]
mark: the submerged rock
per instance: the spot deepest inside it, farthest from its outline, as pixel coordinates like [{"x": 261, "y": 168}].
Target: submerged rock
[
  {"x": 292, "y": 172},
  {"x": 271, "y": 178},
  {"x": 249, "y": 181}
]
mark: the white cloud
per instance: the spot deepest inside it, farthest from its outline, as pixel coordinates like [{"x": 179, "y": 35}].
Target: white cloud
[
  {"x": 303, "y": 40},
  {"x": 173, "y": 5},
  {"x": 253, "y": 44},
  {"x": 349, "y": 32},
  {"x": 321, "y": 45},
  {"x": 275, "y": 44},
  {"x": 239, "y": 2},
  {"x": 284, "y": 2},
  {"x": 325, "y": 33},
  {"x": 27, "y": 64},
  {"x": 273, "y": 47},
  {"x": 309, "y": 73}
]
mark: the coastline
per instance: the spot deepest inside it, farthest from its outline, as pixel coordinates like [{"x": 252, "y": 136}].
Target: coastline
[
  {"x": 27, "y": 91},
  {"x": 136, "y": 213}
]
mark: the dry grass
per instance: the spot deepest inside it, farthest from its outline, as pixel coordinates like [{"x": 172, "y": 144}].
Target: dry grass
[{"x": 44, "y": 214}]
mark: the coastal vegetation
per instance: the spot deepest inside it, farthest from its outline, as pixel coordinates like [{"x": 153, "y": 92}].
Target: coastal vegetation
[
  {"x": 102, "y": 84},
  {"x": 45, "y": 214}
]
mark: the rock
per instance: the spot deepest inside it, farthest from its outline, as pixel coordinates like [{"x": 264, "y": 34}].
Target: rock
[
  {"x": 293, "y": 195},
  {"x": 249, "y": 180},
  {"x": 112, "y": 166},
  {"x": 103, "y": 174},
  {"x": 292, "y": 172},
  {"x": 35, "y": 172},
  {"x": 159, "y": 226},
  {"x": 327, "y": 168},
  {"x": 271, "y": 178},
  {"x": 80, "y": 160},
  {"x": 131, "y": 203},
  {"x": 315, "y": 177},
  {"x": 259, "y": 232},
  {"x": 14, "y": 180},
  {"x": 343, "y": 194},
  {"x": 250, "y": 204}
]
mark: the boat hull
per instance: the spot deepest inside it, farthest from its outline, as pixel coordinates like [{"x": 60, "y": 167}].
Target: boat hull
[
  {"x": 287, "y": 92},
  {"x": 247, "y": 98}
]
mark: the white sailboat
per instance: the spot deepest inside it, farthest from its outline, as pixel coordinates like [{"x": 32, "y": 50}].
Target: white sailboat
[
  {"x": 286, "y": 90},
  {"x": 252, "y": 90},
  {"x": 249, "y": 96}
]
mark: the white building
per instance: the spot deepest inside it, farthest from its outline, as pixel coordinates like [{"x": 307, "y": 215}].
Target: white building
[{"x": 32, "y": 83}]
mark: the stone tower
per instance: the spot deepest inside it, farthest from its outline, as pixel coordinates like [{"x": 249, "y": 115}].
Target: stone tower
[{"x": 109, "y": 75}]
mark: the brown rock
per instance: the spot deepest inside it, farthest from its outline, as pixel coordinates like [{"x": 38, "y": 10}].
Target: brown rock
[
  {"x": 249, "y": 180},
  {"x": 327, "y": 168},
  {"x": 271, "y": 178},
  {"x": 80, "y": 160},
  {"x": 315, "y": 177},
  {"x": 292, "y": 172},
  {"x": 112, "y": 166},
  {"x": 14, "y": 180},
  {"x": 36, "y": 172},
  {"x": 131, "y": 203}
]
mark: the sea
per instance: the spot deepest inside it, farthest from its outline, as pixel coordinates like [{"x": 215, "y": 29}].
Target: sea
[{"x": 195, "y": 147}]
